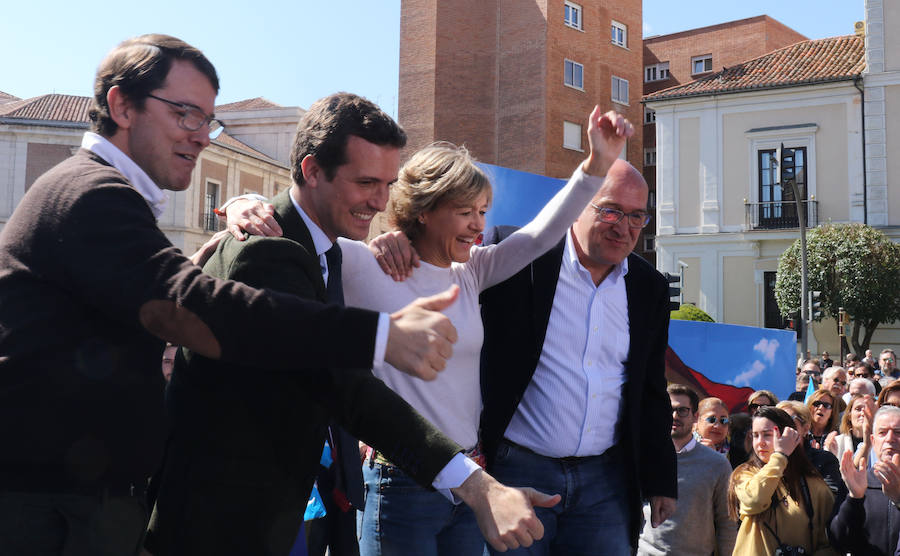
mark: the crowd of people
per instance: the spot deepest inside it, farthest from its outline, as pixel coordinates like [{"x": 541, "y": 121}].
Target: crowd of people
[{"x": 818, "y": 473}]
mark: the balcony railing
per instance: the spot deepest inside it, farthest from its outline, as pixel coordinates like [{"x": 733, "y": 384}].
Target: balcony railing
[
  {"x": 779, "y": 215},
  {"x": 211, "y": 223}
]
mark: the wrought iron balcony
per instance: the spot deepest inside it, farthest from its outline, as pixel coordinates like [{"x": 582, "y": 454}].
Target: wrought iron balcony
[
  {"x": 211, "y": 223},
  {"x": 779, "y": 215}
]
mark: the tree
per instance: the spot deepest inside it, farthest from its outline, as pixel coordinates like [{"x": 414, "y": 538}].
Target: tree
[
  {"x": 690, "y": 312},
  {"x": 855, "y": 267}
]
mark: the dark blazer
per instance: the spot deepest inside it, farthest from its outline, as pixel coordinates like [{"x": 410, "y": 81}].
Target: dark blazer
[
  {"x": 515, "y": 315},
  {"x": 243, "y": 454}
]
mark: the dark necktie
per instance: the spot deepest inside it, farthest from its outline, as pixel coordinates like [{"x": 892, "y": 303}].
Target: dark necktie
[{"x": 334, "y": 290}]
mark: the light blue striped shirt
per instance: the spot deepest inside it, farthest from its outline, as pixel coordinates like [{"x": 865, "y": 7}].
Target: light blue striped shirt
[{"x": 574, "y": 400}]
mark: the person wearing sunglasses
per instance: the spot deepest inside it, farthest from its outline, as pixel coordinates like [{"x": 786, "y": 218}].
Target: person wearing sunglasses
[
  {"x": 712, "y": 424},
  {"x": 760, "y": 398},
  {"x": 824, "y": 416},
  {"x": 835, "y": 379}
]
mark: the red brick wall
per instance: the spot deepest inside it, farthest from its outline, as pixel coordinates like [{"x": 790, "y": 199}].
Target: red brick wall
[
  {"x": 417, "y": 71},
  {"x": 592, "y": 48}
]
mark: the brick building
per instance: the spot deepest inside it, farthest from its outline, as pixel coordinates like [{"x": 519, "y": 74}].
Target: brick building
[
  {"x": 678, "y": 58},
  {"x": 514, "y": 81}
]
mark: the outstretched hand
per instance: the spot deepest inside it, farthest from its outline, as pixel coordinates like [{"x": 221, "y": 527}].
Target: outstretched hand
[
  {"x": 395, "y": 255},
  {"x": 607, "y": 134},
  {"x": 505, "y": 515},
  {"x": 421, "y": 338},
  {"x": 854, "y": 475},
  {"x": 253, "y": 217}
]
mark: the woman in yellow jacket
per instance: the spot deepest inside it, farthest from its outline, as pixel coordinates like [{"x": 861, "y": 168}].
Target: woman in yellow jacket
[{"x": 772, "y": 494}]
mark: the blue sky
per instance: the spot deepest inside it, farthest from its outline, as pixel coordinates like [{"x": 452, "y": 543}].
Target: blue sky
[{"x": 295, "y": 52}]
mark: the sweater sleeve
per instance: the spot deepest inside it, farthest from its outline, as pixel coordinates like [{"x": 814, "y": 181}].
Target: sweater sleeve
[
  {"x": 119, "y": 263},
  {"x": 754, "y": 490},
  {"x": 495, "y": 263}
]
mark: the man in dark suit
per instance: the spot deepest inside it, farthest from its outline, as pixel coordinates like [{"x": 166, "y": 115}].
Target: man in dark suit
[
  {"x": 573, "y": 377},
  {"x": 243, "y": 456}
]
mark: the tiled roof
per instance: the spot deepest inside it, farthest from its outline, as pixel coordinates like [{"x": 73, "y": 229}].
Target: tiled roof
[
  {"x": 57, "y": 108},
  {"x": 258, "y": 103},
  {"x": 803, "y": 63},
  {"x": 6, "y": 97}
]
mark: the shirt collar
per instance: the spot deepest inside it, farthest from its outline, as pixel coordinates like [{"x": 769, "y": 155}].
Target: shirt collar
[
  {"x": 570, "y": 257},
  {"x": 320, "y": 240},
  {"x": 692, "y": 443},
  {"x": 135, "y": 175}
]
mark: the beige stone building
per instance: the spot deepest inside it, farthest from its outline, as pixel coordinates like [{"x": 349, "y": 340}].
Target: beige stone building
[
  {"x": 835, "y": 105},
  {"x": 38, "y": 133}
]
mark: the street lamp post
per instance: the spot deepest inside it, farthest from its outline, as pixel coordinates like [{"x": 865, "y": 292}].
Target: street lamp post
[{"x": 802, "y": 328}]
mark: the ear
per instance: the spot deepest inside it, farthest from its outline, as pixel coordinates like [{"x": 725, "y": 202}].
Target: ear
[
  {"x": 312, "y": 172},
  {"x": 121, "y": 109}
]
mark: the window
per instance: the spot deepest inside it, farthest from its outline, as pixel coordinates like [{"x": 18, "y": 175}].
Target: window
[
  {"x": 649, "y": 243},
  {"x": 572, "y": 136},
  {"x": 777, "y": 207},
  {"x": 573, "y": 15},
  {"x": 210, "y": 202},
  {"x": 656, "y": 72},
  {"x": 650, "y": 157},
  {"x": 649, "y": 115},
  {"x": 772, "y": 314},
  {"x": 701, "y": 64},
  {"x": 651, "y": 200},
  {"x": 619, "y": 34},
  {"x": 619, "y": 90},
  {"x": 574, "y": 75}
]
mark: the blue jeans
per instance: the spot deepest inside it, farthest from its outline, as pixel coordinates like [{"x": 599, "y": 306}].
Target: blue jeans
[
  {"x": 591, "y": 519},
  {"x": 403, "y": 519}
]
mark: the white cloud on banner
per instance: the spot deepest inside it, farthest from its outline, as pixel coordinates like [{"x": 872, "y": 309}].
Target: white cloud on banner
[
  {"x": 744, "y": 378},
  {"x": 767, "y": 348}
]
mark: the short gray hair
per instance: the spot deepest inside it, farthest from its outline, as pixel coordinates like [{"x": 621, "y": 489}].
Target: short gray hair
[
  {"x": 870, "y": 387},
  {"x": 831, "y": 371},
  {"x": 886, "y": 410}
]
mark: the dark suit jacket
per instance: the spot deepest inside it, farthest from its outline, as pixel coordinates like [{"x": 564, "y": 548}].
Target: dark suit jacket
[
  {"x": 516, "y": 313},
  {"x": 249, "y": 449}
]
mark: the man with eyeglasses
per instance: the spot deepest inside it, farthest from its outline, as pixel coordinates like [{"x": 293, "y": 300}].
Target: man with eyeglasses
[
  {"x": 835, "y": 380},
  {"x": 700, "y": 525},
  {"x": 92, "y": 290},
  {"x": 887, "y": 362},
  {"x": 573, "y": 376},
  {"x": 867, "y": 522},
  {"x": 809, "y": 371}
]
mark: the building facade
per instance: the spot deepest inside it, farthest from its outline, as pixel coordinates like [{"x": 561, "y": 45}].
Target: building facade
[
  {"x": 678, "y": 58},
  {"x": 38, "y": 133},
  {"x": 514, "y": 81},
  {"x": 722, "y": 219}
]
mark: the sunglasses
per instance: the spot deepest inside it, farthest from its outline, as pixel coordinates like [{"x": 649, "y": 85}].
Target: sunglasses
[
  {"x": 755, "y": 406},
  {"x": 712, "y": 420},
  {"x": 682, "y": 411},
  {"x": 820, "y": 403}
]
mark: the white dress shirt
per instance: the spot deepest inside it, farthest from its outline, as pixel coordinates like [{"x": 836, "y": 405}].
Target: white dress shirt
[
  {"x": 459, "y": 467},
  {"x": 574, "y": 399},
  {"x": 136, "y": 176}
]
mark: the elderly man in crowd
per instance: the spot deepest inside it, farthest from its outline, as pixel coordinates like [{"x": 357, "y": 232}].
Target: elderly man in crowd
[
  {"x": 834, "y": 379},
  {"x": 867, "y": 522},
  {"x": 887, "y": 362},
  {"x": 809, "y": 371},
  {"x": 700, "y": 525}
]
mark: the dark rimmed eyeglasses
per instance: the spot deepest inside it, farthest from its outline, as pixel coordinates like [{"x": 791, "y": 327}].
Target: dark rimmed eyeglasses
[
  {"x": 192, "y": 118},
  {"x": 820, "y": 403},
  {"x": 712, "y": 420},
  {"x": 614, "y": 216},
  {"x": 682, "y": 411}
]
